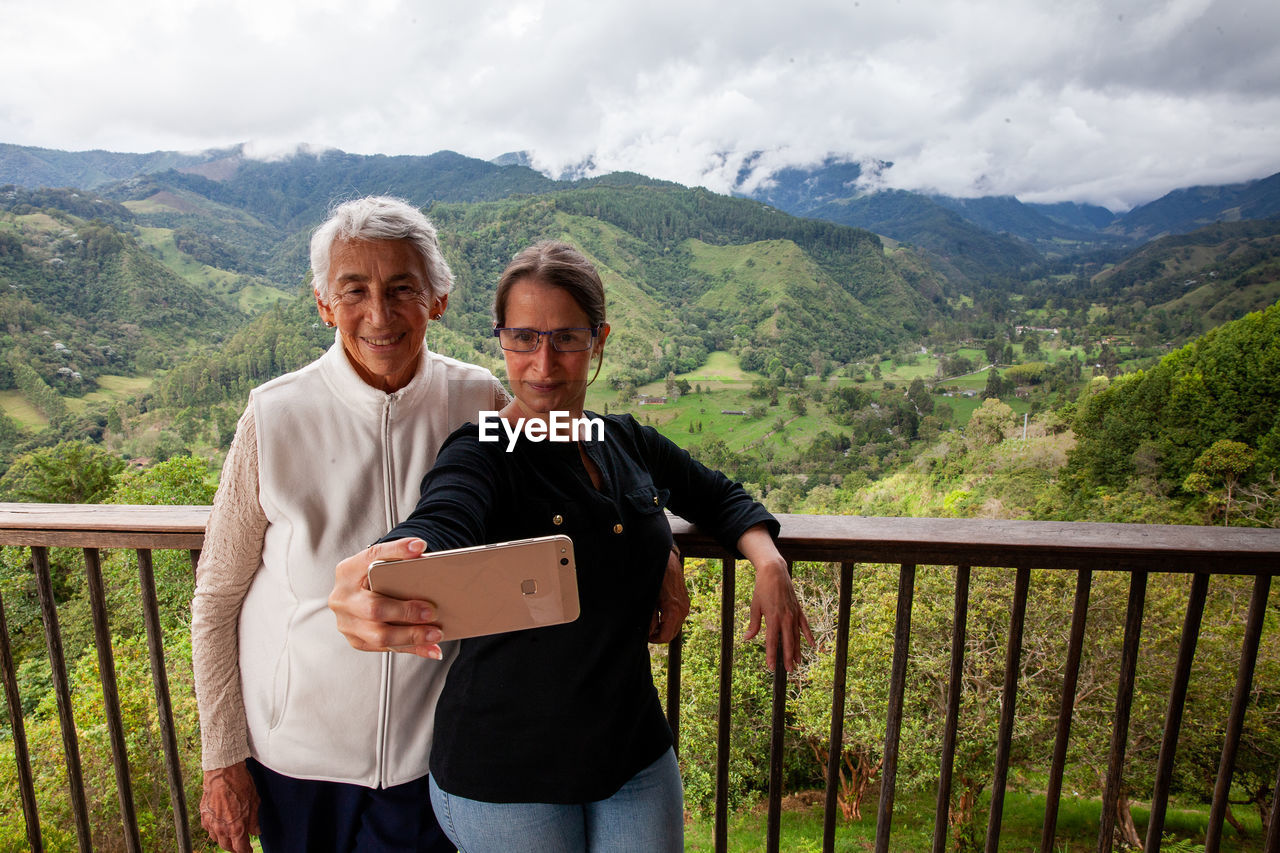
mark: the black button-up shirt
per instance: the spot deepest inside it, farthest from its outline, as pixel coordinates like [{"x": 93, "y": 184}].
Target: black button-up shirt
[{"x": 567, "y": 713}]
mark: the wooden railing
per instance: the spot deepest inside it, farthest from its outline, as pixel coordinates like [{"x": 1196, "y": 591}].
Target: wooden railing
[{"x": 1082, "y": 548}]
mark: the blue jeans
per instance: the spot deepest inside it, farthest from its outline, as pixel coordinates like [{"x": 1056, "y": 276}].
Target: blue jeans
[{"x": 645, "y": 816}]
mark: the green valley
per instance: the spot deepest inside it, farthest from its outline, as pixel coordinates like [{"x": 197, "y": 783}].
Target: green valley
[{"x": 806, "y": 357}]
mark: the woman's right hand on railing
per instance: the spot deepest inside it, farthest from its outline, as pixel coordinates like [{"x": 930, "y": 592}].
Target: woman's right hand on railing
[
  {"x": 229, "y": 807},
  {"x": 377, "y": 623}
]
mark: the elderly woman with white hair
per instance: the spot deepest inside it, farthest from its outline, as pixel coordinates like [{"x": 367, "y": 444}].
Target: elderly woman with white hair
[{"x": 306, "y": 741}]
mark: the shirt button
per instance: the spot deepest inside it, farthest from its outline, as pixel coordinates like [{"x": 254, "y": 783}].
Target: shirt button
[
  {"x": 617, "y": 528},
  {"x": 557, "y": 519}
]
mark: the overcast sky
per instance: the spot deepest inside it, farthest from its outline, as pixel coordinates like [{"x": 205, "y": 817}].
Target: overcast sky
[{"x": 1112, "y": 102}]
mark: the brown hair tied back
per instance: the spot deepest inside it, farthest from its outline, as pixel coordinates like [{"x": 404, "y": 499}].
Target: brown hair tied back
[{"x": 560, "y": 265}]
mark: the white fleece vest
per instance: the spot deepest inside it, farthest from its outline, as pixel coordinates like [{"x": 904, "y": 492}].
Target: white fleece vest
[{"x": 339, "y": 464}]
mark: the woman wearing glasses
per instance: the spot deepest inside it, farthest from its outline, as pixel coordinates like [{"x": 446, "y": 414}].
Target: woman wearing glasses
[{"x": 553, "y": 739}]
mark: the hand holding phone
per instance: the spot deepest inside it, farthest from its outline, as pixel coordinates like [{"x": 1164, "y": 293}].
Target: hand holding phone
[{"x": 488, "y": 589}]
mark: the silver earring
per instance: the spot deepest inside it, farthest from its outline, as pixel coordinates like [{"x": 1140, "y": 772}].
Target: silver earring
[{"x": 327, "y": 323}]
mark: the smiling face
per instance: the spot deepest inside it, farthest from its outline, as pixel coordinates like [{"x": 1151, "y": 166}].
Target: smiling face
[
  {"x": 546, "y": 380},
  {"x": 380, "y": 299}
]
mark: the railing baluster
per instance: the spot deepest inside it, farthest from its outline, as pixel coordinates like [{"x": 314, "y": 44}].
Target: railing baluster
[
  {"x": 1273, "y": 830},
  {"x": 21, "y": 757},
  {"x": 1008, "y": 701},
  {"x": 955, "y": 682},
  {"x": 160, "y": 679},
  {"x": 1173, "y": 715},
  {"x": 1070, "y": 677},
  {"x": 906, "y": 542},
  {"x": 111, "y": 698},
  {"x": 675, "y": 660},
  {"x": 724, "y": 722},
  {"x": 777, "y": 737},
  {"x": 1239, "y": 703},
  {"x": 836, "y": 751},
  {"x": 1124, "y": 704},
  {"x": 777, "y": 733},
  {"x": 62, "y": 692},
  {"x": 893, "y": 718}
]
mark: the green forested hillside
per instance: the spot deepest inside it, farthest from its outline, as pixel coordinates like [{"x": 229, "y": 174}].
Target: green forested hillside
[
  {"x": 82, "y": 297},
  {"x": 833, "y": 292},
  {"x": 1195, "y": 439},
  {"x": 1147, "y": 430},
  {"x": 281, "y": 339},
  {"x": 1178, "y": 287},
  {"x": 965, "y": 251}
]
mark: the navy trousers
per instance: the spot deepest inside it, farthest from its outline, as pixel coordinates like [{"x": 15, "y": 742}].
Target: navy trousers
[{"x": 305, "y": 816}]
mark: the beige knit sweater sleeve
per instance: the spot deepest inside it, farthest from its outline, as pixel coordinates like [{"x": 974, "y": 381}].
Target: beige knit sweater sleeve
[{"x": 228, "y": 562}]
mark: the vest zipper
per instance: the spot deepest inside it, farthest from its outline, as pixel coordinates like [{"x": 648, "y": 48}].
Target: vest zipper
[{"x": 389, "y": 504}]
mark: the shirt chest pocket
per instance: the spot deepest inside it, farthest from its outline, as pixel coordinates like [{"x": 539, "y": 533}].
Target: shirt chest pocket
[{"x": 643, "y": 507}]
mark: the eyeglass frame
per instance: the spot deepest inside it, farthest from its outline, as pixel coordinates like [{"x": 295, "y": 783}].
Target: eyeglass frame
[{"x": 594, "y": 330}]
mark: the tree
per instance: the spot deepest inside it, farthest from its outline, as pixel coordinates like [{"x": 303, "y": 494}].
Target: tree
[
  {"x": 995, "y": 385},
  {"x": 988, "y": 423},
  {"x": 1225, "y": 462},
  {"x": 179, "y": 480},
  {"x": 1260, "y": 502},
  {"x": 71, "y": 472},
  {"x": 1108, "y": 362},
  {"x": 920, "y": 397}
]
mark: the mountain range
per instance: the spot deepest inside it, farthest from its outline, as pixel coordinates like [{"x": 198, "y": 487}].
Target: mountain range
[
  {"x": 834, "y": 190},
  {"x": 805, "y": 268},
  {"x": 142, "y": 301}
]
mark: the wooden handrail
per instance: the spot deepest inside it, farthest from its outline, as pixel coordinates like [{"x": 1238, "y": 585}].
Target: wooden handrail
[
  {"x": 102, "y": 525},
  {"x": 827, "y": 538}
]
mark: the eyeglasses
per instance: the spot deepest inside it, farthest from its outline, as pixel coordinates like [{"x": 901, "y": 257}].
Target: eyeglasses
[{"x": 562, "y": 340}]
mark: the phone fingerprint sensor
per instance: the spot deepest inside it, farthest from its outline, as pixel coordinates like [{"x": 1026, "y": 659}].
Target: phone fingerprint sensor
[{"x": 529, "y": 587}]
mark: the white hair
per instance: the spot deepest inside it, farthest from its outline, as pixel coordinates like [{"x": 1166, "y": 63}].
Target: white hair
[{"x": 379, "y": 218}]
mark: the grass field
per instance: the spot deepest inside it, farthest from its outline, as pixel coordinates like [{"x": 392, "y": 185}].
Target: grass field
[
  {"x": 161, "y": 240},
  {"x": 110, "y": 389},
  {"x": 912, "y": 827},
  {"x": 257, "y": 298},
  {"x": 230, "y": 286},
  {"x": 17, "y": 407},
  {"x": 721, "y": 387}
]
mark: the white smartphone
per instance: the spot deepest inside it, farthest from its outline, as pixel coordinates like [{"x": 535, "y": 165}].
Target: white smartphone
[{"x": 488, "y": 589}]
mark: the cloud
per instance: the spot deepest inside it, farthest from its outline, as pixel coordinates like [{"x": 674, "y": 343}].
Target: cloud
[{"x": 1112, "y": 103}]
